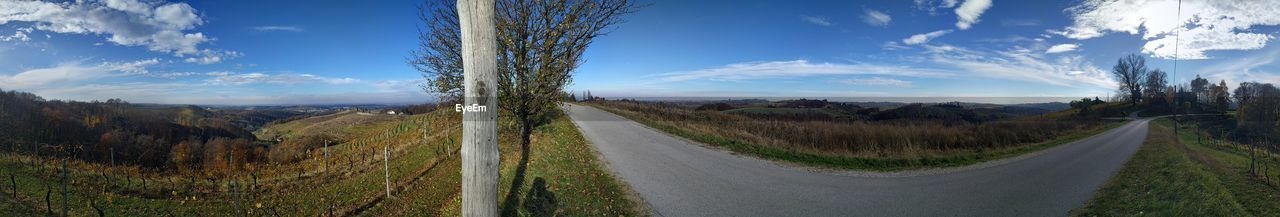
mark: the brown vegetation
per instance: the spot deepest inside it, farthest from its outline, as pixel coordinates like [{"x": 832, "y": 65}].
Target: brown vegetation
[{"x": 861, "y": 138}]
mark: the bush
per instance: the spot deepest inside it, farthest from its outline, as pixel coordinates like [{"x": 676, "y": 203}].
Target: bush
[
  {"x": 714, "y": 107},
  {"x": 294, "y": 150}
]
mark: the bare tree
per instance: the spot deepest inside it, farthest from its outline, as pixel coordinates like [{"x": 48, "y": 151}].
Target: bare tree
[
  {"x": 1154, "y": 85},
  {"x": 439, "y": 53},
  {"x": 1221, "y": 97},
  {"x": 1258, "y": 113},
  {"x": 1244, "y": 96},
  {"x": 540, "y": 43},
  {"x": 479, "y": 128},
  {"x": 1199, "y": 91},
  {"x": 1130, "y": 71}
]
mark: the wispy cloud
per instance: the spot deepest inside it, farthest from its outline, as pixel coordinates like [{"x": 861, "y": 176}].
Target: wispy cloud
[
  {"x": 230, "y": 78},
  {"x": 932, "y": 6},
  {"x": 278, "y": 28},
  {"x": 211, "y": 57},
  {"x": 893, "y": 45},
  {"x": 924, "y": 37},
  {"x": 876, "y": 81},
  {"x": 389, "y": 86},
  {"x": 1248, "y": 68},
  {"x": 1022, "y": 65},
  {"x": 796, "y": 68},
  {"x": 70, "y": 73},
  {"x": 1062, "y": 48},
  {"x": 876, "y": 18},
  {"x": 821, "y": 21}
]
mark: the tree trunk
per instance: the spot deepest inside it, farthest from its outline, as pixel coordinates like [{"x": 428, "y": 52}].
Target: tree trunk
[
  {"x": 479, "y": 128},
  {"x": 526, "y": 129}
]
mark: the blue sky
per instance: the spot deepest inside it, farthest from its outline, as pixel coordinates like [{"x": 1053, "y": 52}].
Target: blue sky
[{"x": 305, "y": 52}]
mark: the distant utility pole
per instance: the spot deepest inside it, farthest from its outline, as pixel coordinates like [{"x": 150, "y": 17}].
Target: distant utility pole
[
  {"x": 326, "y": 158},
  {"x": 64, "y": 186},
  {"x": 1176, "y": 38},
  {"x": 479, "y": 129},
  {"x": 386, "y": 168}
]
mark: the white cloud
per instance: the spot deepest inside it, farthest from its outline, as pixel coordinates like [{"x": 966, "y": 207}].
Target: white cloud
[
  {"x": 1247, "y": 68},
  {"x": 893, "y": 45},
  {"x": 73, "y": 72},
  {"x": 1062, "y": 48},
  {"x": 932, "y": 6},
  {"x": 20, "y": 35},
  {"x": 796, "y": 68},
  {"x": 390, "y": 86},
  {"x": 193, "y": 93},
  {"x": 969, "y": 11},
  {"x": 821, "y": 21},
  {"x": 130, "y": 91},
  {"x": 1023, "y": 65},
  {"x": 210, "y": 56},
  {"x": 174, "y": 75},
  {"x": 230, "y": 78},
  {"x": 158, "y": 26},
  {"x": 876, "y": 18},
  {"x": 278, "y": 28},
  {"x": 1205, "y": 25},
  {"x": 925, "y": 37},
  {"x": 877, "y": 81}
]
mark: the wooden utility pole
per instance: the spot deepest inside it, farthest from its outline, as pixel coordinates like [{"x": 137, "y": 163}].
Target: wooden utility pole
[{"x": 479, "y": 128}]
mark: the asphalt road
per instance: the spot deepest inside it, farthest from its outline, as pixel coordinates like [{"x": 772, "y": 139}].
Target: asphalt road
[{"x": 680, "y": 178}]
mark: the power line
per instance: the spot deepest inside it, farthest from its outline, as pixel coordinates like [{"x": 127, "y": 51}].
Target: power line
[{"x": 1176, "y": 40}]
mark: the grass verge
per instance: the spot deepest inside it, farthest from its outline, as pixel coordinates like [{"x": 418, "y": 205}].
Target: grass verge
[
  {"x": 1183, "y": 177},
  {"x": 950, "y": 159}
]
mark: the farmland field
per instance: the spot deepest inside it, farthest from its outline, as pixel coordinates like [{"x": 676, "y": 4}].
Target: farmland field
[{"x": 424, "y": 178}]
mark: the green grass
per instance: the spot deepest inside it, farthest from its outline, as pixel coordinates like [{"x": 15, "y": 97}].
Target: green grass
[
  {"x": 558, "y": 155},
  {"x": 1183, "y": 177},
  {"x": 951, "y": 159},
  {"x": 425, "y": 177},
  {"x": 573, "y": 175},
  {"x": 343, "y": 125}
]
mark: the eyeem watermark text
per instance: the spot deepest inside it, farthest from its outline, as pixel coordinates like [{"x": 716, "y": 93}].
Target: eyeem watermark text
[{"x": 469, "y": 108}]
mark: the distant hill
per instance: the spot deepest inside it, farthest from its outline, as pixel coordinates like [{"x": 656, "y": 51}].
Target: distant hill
[
  {"x": 342, "y": 125},
  {"x": 139, "y": 134},
  {"x": 807, "y": 109},
  {"x": 1050, "y": 106}
]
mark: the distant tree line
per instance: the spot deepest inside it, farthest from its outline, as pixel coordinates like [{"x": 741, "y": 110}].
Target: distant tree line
[
  {"x": 1257, "y": 104},
  {"x": 118, "y": 132}
]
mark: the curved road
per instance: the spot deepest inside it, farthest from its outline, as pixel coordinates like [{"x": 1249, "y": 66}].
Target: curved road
[{"x": 680, "y": 178}]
